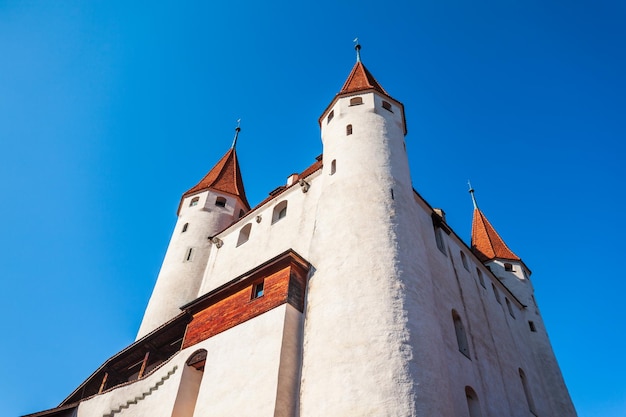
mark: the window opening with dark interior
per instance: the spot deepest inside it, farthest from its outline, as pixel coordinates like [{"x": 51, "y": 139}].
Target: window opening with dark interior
[
  {"x": 280, "y": 211},
  {"x": 185, "y": 226},
  {"x": 258, "y": 290},
  {"x": 508, "y": 266},
  {"x": 348, "y": 130},
  {"x": 355, "y": 101},
  {"x": 387, "y": 106},
  {"x": 194, "y": 201},
  {"x": 220, "y": 202},
  {"x": 330, "y": 116}
]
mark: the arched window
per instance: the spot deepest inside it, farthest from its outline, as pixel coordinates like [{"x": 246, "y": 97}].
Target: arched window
[
  {"x": 333, "y": 167},
  {"x": 348, "y": 130},
  {"x": 480, "y": 278},
  {"x": 355, "y": 101},
  {"x": 185, "y": 226},
  {"x": 464, "y": 261},
  {"x": 220, "y": 202},
  {"x": 189, "y": 387},
  {"x": 194, "y": 201},
  {"x": 527, "y": 393},
  {"x": 472, "y": 402},
  {"x": 244, "y": 234},
  {"x": 280, "y": 211},
  {"x": 461, "y": 337}
]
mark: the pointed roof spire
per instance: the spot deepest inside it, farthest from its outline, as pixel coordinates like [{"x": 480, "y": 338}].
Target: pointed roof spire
[
  {"x": 357, "y": 47},
  {"x": 486, "y": 242},
  {"x": 225, "y": 176},
  {"x": 237, "y": 130},
  {"x": 360, "y": 78},
  {"x": 471, "y": 191}
]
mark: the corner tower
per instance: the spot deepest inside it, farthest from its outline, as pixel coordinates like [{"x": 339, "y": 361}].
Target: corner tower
[
  {"x": 215, "y": 202},
  {"x": 368, "y": 312}
]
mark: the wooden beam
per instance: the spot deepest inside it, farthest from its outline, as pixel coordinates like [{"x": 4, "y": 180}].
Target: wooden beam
[
  {"x": 143, "y": 365},
  {"x": 104, "y": 381}
]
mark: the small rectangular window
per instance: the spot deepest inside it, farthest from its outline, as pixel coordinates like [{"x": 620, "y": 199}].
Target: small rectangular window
[
  {"x": 387, "y": 106},
  {"x": 532, "y": 326},
  {"x": 258, "y": 290}
]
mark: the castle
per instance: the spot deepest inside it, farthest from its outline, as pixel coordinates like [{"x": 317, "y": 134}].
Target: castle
[{"x": 344, "y": 293}]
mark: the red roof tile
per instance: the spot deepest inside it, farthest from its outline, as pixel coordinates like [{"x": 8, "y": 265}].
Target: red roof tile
[
  {"x": 361, "y": 79},
  {"x": 225, "y": 177},
  {"x": 486, "y": 242}
]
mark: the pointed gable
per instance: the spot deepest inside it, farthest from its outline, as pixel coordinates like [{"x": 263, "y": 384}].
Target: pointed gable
[
  {"x": 486, "y": 242},
  {"x": 225, "y": 177},
  {"x": 361, "y": 79}
]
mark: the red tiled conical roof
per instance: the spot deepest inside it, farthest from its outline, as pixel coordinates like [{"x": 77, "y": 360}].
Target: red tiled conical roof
[
  {"x": 486, "y": 242},
  {"x": 225, "y": 177},
  {"x": 361, "y": 79}
]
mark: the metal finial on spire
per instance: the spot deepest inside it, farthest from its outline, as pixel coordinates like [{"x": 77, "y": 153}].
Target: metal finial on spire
[
  {"x": 357, "y": 46},
  {"x": 471, "y": 191},
  {"x": 237, "y": 130}
]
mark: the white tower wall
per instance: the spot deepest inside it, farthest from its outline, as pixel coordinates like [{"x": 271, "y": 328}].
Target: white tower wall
[
  {"x": 360, "y": 343},
  {"x": 186, "y": 258}
]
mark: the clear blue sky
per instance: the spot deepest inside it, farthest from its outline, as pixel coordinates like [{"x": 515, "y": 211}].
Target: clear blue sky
[{"x": 110, "y": 110}]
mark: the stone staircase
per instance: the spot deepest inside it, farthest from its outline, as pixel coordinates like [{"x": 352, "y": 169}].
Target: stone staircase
[{"x": 135, "y": 400}]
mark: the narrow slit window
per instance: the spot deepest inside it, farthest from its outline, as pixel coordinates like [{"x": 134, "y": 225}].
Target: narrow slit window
[
  {"x": 461, "y": 336},
  {"x": 480, "y": 278},
  {"x": 333, "y": 167},
  {"x": 330, "y": 116},
  {"x": 194, "y": 201},
  {"x": 473, "y": 405},
  {"x": 185, "y": 227},
  {"x": 527, "y": 393},
  {"x": 189, "y": 256},
  {"x": 509, "y": 307},
  {"x": 464, "y": 261},
  {"x": 532, "y": 326},
  {"x": 258, "y": 290},
  {"x": 439, "y": 240},
  {"x": 496, "y": 293},
  {"x": 348, "y": 130},
  {"x": 355, "y": 101},
  {"x": 220, "y": 202}
]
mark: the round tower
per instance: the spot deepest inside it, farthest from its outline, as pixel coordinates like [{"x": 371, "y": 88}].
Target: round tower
[
  {"x": 210, "y": 206},
  {"x": 361, "y": 329}
]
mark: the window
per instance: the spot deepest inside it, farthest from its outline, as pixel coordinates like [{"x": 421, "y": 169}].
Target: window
[
  {"x": 244, "y": 234},
  {"x": 185, "y": 226},
  {"x": 496, "y": 293},
  {"x": 348, "y": 130},
  {"x": 220, "y": 202},
  {"x": 189, "y": 256},
  {"x": 509, "y": 307},
  {"x": 330, "y": 116},
  {"x": 355, "y": 101},
  {"x": 194, "y": 201},
  {"x": 439, "y": 240},
  {"x": 464, "y": 261},
  {"x": 480, "y": 278},
  {"x": 280, "y": 211},
  {"x": 258, "y": 290},
  {"x": 527, "y": 393},
  {"x": 532, "y": 326},
  {"x": 333, "y": 167},
  {"x": 472, "y": 402},
  {"x": 189, "y": 387},
  {"x": 508, "y": 266},
  {"x": 461, "y": 337},
  {"x": 387, "y": 106}
]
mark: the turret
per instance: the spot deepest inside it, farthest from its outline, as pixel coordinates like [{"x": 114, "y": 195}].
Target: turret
[
  {"x": 215, "y": 202},
  {"x": 490, "y": 248}
]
